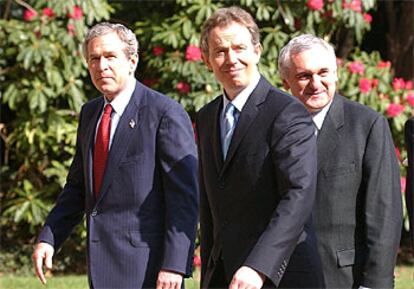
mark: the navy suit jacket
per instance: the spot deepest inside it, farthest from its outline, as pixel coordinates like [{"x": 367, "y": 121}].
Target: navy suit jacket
[
  {"x": 255, "y": 203},
  {"x": 146, "y": 215}
]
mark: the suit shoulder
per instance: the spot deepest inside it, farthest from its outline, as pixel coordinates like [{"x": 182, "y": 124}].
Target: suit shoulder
[
  {"x": 360, "y": 111},
  {"x": 157, "y": 100},
  {"x": 209, "y": 107},
  {"x": 361, "y": 116}
]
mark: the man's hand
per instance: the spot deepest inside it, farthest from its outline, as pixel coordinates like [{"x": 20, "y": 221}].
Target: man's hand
[
  {"x": 247, "y": 278},
  {"x": 169, "y": 280},
  {"x": 42, "y": 254}
]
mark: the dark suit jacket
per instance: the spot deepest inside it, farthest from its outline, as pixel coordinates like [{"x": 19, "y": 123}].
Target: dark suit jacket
[
  {"x": 409, "y": 192},
  {"x": 357, "y": 215},
  {"x": 146, "y": 214},
  {"x": 254, "y": 205}
]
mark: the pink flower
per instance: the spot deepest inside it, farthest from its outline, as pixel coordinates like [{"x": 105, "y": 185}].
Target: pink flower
[
  {"x": 29, "y": 14},
  {"x": 158, "y": 50},
  {"x": 384, "y": 64},
  {"x": 374, "y": 82},
  {"x": 48, "y": 12},
  {"x": 297, "y": 23},
  {"x": 365, "y": 85},
  {"x": 394, "y": 109},
  {"x": 408, "y": 85},
  {"x": 77, "y": 13},
  {"x": 315, "y": 4},
  {"x": 403, "y": 182},
  {"x": 149, "y": 81},
  {"x": 398, "y": 153},
  {"x": 183, "y": 87},
  {"x": 355, "y": 5},
  {"x": 193, "y": 53},
  {"x": 356, "y": 67},
  {"x": 410, "y": 98},
  {"x": 197, "y": 261},
  {"x": 398, "y": 83},
  {"x": 328, "y": 14},
  {"x": 71, "y": 29},
  {"x": 367, "y": 17}
]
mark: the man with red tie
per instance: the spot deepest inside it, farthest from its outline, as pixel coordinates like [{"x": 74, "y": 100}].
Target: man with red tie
[{"x": 133, "y": 176}]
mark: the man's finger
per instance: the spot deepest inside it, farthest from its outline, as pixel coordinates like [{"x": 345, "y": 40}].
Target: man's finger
[
  {"x": 38, "y": 260},
  {"x": 48, "y": 261}
]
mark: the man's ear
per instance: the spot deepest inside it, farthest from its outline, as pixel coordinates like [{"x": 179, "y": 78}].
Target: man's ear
[
  {"x": 206, "y": 61},
  {"x": 258, "y": 50},
  {"x": 133, "y": 62},
  {"x": 285, "y": 84}
]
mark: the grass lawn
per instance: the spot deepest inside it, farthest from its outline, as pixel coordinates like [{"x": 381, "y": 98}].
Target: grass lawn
[
  {"x": 404, "y": 280},
  {"x": 58, "y": 282}
]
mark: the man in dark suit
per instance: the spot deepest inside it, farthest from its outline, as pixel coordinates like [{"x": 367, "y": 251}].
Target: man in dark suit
[
  {"x": 257, "y": 153},
  {"x": 357, "y": 213},
  {"x": 409, "y": 191},
  {"x": 134, "y": 175}
]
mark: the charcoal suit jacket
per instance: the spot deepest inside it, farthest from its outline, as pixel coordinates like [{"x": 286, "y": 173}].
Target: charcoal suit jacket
[
  {"x": 146, "y": 215},
  {"x": 358, "y": 210},
  {"x": 255, "y": 203},
  {"x": 409, "y": 192}
]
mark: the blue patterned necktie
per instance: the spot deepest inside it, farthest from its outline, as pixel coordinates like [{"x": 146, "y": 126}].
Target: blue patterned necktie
[{"x": 231, "y": 115}]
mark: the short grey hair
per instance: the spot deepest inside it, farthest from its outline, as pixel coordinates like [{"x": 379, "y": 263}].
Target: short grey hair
[
  {"x": 299, "y": 44},
  {"x": 224, "y": 17},
  {"x": 125, "y": 34}
]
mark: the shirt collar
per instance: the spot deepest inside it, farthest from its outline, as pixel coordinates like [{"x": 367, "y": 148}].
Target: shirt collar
[
  {"x": 240, "y": 100},
  {"x": 120, "y": 102},
  {"x": 319, "y": 117}
]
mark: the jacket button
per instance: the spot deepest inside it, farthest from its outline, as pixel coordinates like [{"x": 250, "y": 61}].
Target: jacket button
[{"x": 94, "y": 213}]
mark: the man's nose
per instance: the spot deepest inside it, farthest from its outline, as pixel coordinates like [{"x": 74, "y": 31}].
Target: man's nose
[
  {"x": 103, "y": 63},
  {"x": 315, "y": 81},
  {"x": 231, "y": 56}
]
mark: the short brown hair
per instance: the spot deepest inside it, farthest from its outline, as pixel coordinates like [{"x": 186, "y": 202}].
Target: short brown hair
[
  {"x": 224, "y": 17},
  {"x": 125, "y": 34}
]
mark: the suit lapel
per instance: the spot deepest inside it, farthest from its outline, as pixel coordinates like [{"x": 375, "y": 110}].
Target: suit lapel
[
  {"x": 329, "y": 136},
  {"x": 121, "y": 138},
  {"x": 247, "y": 116},
  {"x": 90, "y": 139},
  {"x": 215, "y": 133}
]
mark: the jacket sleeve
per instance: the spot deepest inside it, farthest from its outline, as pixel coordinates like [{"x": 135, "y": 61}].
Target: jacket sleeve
[
  {"x": 206, "y": 222},
  {"x": 293, "y": 149},
  {"x": 177, "y": 154},
  {"x": 409, "y": 192},
  {"x": 383, "y": 206}
]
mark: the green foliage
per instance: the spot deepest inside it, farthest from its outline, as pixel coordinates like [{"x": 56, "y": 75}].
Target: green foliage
[
  {"x": 41, "y": 83},
  {"x": 170, "y": 69}
]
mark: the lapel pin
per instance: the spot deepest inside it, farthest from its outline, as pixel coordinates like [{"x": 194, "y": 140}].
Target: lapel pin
[{"x": 132, "y": 123}]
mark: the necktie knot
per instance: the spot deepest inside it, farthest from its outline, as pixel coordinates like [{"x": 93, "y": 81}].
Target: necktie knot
[{"x": 108, "y": 109}]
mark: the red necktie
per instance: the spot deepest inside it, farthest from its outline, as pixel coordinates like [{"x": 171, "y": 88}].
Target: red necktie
[{"x": 100, "y": 152}]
